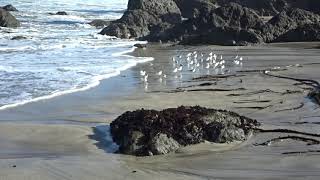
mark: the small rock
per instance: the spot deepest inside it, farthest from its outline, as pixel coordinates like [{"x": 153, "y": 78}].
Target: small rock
[
  {"x": 142, "y": 46},
  {"x": 8, "y": 20},
  {"x": 18, "y": 38},
  {"x": 98, "y": 23},
  {"x": 62, "y": 13}
]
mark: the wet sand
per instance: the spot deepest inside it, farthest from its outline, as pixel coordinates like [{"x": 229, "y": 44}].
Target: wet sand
[{"x": 65, "y": 137}]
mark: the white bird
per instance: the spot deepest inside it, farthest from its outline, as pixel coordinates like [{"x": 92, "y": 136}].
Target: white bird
[
  {"x": 189, "y": 54},
  {"x": 180, "y": 68},
  {"x": 146, "y": 78},
  {"x": 198, "y": 64},
  {"x": 221, "y": 57},
  {"x": 194, "y": 70},
  {"x": 211, "y": 54},
  {"x": 164, "y": 76},
  {"x": 208, "y": 66},
  {"x": 173, "y": 59},
  {"x": 175, "y": 70},
  {"x": 142, "y": 73},
  {"x": 159, "y": 73},
  {"x": 215, "y": 57},
  {"x": 240, "y": 58}
]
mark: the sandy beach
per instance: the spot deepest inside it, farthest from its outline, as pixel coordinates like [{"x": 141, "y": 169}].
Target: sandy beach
[{"x": 67, "y": 137}]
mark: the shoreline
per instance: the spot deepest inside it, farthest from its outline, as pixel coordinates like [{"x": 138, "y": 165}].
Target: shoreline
[{"x": 61, "y": 134}]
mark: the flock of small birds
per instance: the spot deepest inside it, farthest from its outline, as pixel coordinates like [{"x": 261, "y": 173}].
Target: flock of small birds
[{"x": 194, "y": 62}]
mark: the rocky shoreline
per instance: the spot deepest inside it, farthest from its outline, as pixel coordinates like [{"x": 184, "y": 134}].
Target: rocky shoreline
[{"x": 216, "y": 22}]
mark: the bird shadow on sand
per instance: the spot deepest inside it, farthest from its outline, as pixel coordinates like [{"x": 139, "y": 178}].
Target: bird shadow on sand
[{"x": 102, "y": 136}]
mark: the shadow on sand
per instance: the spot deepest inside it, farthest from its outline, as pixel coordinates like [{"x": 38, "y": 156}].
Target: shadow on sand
[{"x": 102, "y": 135}]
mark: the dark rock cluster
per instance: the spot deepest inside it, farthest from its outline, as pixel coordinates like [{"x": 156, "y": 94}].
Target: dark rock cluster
[
  {"x": 150, "y": 132},
  {"x": 220, "y": 22},
  {"x": 7, "y": 19}
]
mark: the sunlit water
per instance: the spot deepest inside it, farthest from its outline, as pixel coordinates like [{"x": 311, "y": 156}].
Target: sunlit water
[{"x": 61, "y": 53}]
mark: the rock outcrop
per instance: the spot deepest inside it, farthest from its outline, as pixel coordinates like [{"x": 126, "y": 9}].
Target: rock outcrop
[
  {"x": 8, "y": 20},
  {"x": 191, "y": 22},
  {"x": 303, "y": 33},
  {"x": 143, "y": 17},
  {"x": 287, "y": 21},
  {"x": 273, "y": 7},
  {"x": 150, "y": 132},
  {"x": 9, "y": 7}
]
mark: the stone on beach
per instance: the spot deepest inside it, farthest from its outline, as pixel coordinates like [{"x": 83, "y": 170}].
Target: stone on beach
[{"x": 150, "y": 132}]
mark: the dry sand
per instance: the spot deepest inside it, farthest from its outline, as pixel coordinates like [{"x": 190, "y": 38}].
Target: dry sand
[{"x": 57, "y": 138}]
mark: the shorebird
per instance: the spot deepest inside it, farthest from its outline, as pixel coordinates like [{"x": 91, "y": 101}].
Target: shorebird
[
  {"x": 142, "y": 73},
  {"x": 175, "y": 70},
  {"x": 146, "y": 78}
]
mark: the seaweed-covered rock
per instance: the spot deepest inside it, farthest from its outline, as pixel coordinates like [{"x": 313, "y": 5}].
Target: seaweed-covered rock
[
  {"x": 7, "y": 19},
  {"x": 150, "y": 132}
]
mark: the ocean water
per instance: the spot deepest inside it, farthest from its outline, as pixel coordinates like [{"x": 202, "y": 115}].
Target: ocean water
[{"x": 62, "y": 54}]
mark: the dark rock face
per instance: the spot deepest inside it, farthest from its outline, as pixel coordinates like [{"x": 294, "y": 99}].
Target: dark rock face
[
  {"x": 307, "y": 32},
  {"x": 227, "y": 25},
  {"x": 141, "y": 18},
  {"x": 192, "y": 8},
  {"x": 287, "y": 21},
  {"x": 273, "y": 7},
  {"x": 9, "y": 8},
  {"x": 150, "y": 132},
  {"x": 7, "y": 19},
  {"x": 98, "y": 23}
]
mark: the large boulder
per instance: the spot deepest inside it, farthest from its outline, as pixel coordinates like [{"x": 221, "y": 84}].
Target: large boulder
[
  {"x": 286, "y": 21},
  {"x": 8, "y": 20},
  {"x": 304, "y": 33},
  {"x": 150, "y": 132},
  {"x": 142, "y": 16},
  {"x": 9, "y": 7},
  {"x": 227, "y": 25}
]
